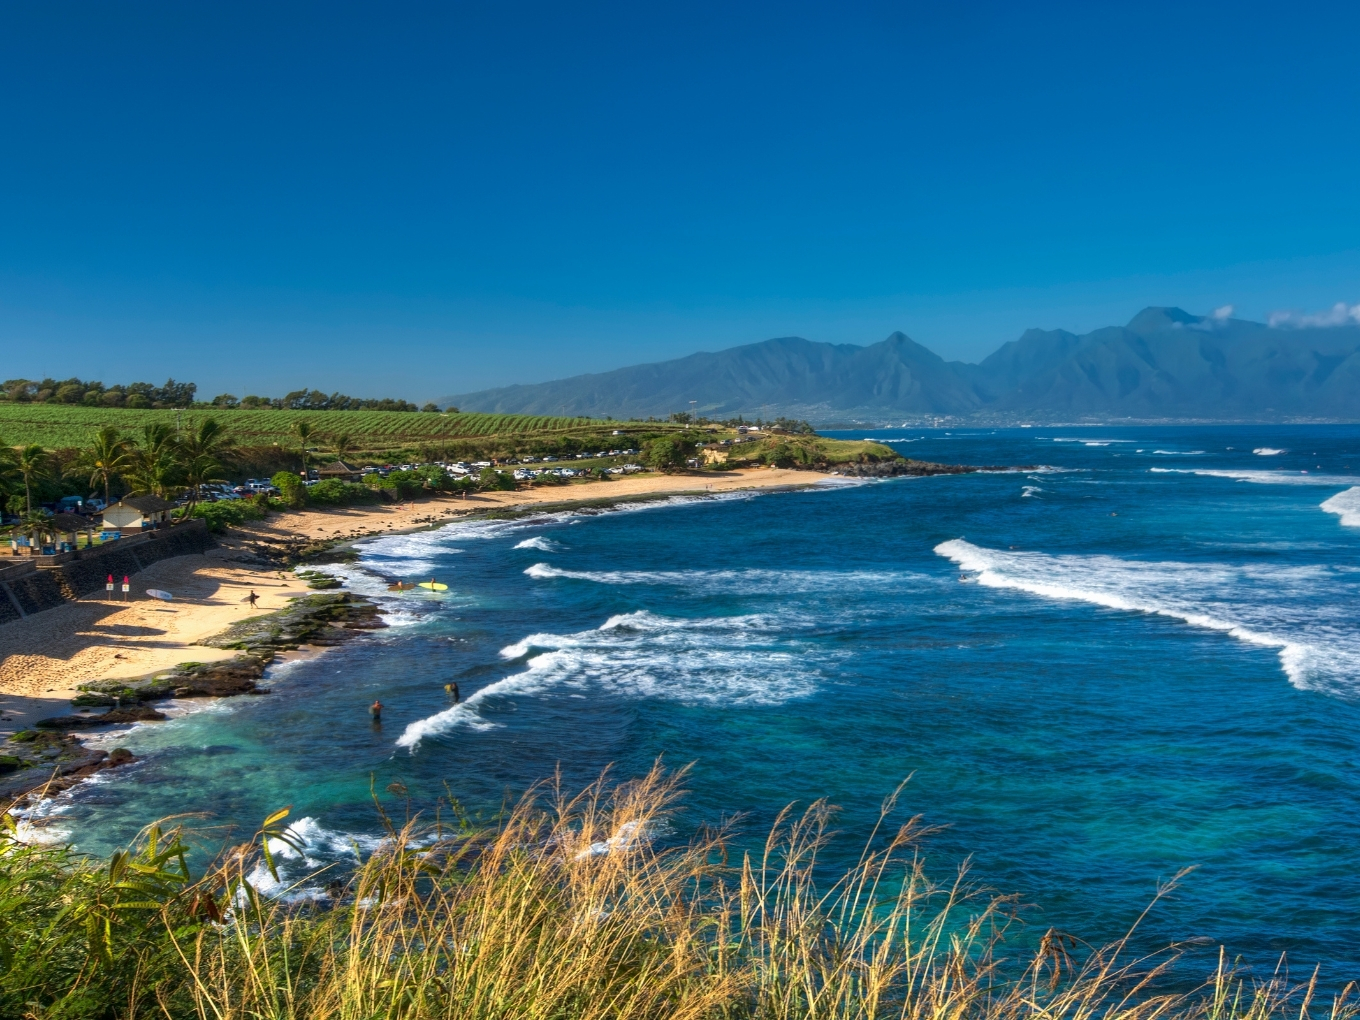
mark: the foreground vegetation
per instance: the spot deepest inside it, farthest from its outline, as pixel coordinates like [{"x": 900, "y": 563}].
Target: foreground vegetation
[{"x": 567, "y": 908}]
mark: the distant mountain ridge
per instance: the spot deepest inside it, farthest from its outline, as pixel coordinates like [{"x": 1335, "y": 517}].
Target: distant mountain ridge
[{"x": 1166, "y": 363}]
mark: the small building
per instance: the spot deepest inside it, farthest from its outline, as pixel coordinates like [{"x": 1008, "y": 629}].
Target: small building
[
  {"x": 339, "y": 469},
  {"x": 132, "y": 513}
]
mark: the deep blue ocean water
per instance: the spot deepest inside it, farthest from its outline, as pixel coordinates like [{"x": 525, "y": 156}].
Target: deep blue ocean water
[{"x": 1141, "y": 656}]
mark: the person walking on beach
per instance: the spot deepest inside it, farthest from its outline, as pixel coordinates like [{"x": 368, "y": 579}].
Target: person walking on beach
[
  {"x": 375, "y": 710},
  {"x": 252, "y": 598}
]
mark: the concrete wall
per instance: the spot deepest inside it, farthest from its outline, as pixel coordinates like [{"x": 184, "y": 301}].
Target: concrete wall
[{"x": 29, "y": 588}]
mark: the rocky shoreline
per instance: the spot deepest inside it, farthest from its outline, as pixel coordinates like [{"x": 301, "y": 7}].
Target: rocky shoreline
[{"x": 48, "y": 758}]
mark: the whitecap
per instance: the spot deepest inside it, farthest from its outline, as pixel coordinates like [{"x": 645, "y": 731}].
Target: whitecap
[
  {"x": 537, "y": 542},
  {"x": 744, "y": 581},
  {"x": 721, "y": 661},
  {"x": 1345, "y": 505},
  {"x": 1266, "y": 451},
  {"x": 1261, "y": 477},
  {"x": 1299, "y": 611},
  {"x": 1030, "y": 490}
]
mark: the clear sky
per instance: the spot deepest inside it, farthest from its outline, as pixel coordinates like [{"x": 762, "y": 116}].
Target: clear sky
[{"x": 418, "y": 200}]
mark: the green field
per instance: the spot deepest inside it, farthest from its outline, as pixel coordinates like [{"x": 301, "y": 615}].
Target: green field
[{"x": 60, "y": 426}]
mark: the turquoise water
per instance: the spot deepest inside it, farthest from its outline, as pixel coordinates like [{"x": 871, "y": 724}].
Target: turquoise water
[{"x": 1142, "y": 656}]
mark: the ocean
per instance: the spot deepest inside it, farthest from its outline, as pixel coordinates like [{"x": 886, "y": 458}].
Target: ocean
[{"x": 1137, "y": 654}]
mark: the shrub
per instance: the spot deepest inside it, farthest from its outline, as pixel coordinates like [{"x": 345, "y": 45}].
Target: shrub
[
  {"x": 668, "y": 453},
  {"x": 334, "y": 492},
  {"x": 291, "y": 489},
  {"x": 219, "y": 516}
]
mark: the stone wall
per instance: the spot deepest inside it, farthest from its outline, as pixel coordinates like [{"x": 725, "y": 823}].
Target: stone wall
[{"x": 87, "y": 572}]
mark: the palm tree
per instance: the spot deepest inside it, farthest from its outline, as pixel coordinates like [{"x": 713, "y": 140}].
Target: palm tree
[
  {"x": 200, "y": 452},
  {"x": 106, "y": 457},
  {"x": 32, "y": 462},
  {"x": 304, "y": 430},
  {"x": 156, "y": 460},
  {"x": 9, "y": 470},
  {"x": 342, "y": 444}
]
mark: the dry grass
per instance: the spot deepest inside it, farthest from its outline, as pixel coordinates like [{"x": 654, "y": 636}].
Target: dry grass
[{"x": 573, "y": 907}]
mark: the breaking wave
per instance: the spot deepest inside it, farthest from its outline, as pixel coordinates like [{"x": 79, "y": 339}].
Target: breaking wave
[
  {"x": 1264, "y": 477},
  {"x": 1345, "y": 505},
  {"x": 1285, "y": 608},
  {"x": 736, "y": 660}
]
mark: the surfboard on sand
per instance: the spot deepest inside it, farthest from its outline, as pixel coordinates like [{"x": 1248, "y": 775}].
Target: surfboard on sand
[
  {"x": 156, "y": 593},
  {"x": 434, "y": 586}
]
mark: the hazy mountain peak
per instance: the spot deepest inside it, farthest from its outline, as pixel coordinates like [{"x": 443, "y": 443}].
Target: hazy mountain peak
[
  {"x": 1166, "y": 363},
  {"x": 1152, "y": 319}
]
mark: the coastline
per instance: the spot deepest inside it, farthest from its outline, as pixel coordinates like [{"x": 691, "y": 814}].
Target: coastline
[{"x": 44, "y": 659}]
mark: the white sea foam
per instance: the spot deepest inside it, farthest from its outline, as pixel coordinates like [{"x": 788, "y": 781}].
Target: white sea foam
[
  {"x": 309, "y": 846},
  {"x": 1180, "y": 453},
  {"x": 1345, "y": 505},
  {"x": 1263, "y": 477},
  {"x": 537, "y": 542},
  {"x": 1030, "y": 490},
  {"x": 738, "y": 660},
  {"x": 1266, "y": 451},
  {"x": 1299, "y": 611},
  {"x": 747, "y": 581}
]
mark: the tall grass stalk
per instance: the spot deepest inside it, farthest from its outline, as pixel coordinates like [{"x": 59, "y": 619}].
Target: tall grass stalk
[{"x": 575, "y": 906}]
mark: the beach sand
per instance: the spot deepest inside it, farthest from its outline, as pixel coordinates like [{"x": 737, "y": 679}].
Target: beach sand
[{"x": 44, "y": 658}]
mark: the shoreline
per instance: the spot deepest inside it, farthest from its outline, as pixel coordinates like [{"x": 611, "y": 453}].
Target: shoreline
[{"x": 45, "y": 658}]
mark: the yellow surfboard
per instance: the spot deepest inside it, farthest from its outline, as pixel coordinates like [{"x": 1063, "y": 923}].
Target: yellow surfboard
[{"x": 434, "y": 586}]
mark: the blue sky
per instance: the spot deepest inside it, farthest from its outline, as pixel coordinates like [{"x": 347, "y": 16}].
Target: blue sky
[{"x": 418, "y": 200}]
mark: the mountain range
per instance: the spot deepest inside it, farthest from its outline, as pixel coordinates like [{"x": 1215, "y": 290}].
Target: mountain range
[{"x": 1165, "y": 364}]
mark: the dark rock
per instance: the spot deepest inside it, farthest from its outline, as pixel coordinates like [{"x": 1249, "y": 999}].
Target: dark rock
[{"x": 137, "y": 713}]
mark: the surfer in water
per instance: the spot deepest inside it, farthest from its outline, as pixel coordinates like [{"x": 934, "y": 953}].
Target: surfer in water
[
  {"x": 375, "y": 710},
  {"x": 451, "y": 689}
]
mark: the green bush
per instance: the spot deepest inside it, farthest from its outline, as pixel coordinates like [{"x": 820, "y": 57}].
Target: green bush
[
  {"x": 668, "y": 453},
  {"x": 291, "y": 489},
  {"x": 220, "y": 516},
  {"x": 334, "y": 492}
]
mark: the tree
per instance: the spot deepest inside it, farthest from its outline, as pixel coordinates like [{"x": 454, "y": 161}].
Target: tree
[
  {"x": 341, "y": 444},
  {"x": 32, "y": 462},
  {"x": 106, "y": 457},
  {"x": 9, "y": 475},
  {"x": 304, "y": 430},
  {"x": 291, "y": 489},
  {"x": 156, "y": 461},
  {"x": 668, "y": 453},
  {"x": 200, "y": 453}
]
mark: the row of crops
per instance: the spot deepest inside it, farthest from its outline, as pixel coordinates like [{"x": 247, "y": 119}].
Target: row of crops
[{"x": 57, "y": 426}]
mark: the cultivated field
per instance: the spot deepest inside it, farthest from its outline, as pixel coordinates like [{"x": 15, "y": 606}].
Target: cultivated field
[{"x": 58, "y": 426}]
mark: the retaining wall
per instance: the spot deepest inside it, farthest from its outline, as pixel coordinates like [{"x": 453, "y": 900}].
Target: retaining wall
[{"x": 30, "y": 588}]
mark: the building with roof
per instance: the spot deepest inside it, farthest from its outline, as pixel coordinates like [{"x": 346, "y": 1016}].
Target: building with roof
[
  {"x": 133, "y": 513},
  {"x": 339, "y": 469}
]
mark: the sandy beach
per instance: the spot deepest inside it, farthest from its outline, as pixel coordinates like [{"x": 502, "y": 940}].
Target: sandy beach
[{"x": 45, "y": 657}]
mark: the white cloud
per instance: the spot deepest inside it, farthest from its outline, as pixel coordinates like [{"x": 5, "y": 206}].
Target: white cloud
[
  {"x": 1223, "y": 313},
  {"x": 1340, "y": 314}
]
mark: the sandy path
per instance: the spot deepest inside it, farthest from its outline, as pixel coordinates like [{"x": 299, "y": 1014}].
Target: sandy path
[{"x": 43, "y": 658}]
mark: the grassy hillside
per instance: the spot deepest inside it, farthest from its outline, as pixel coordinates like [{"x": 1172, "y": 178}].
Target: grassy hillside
[
  {"x": 59, "y": 426},
  {"x": 808, "y": 451}
]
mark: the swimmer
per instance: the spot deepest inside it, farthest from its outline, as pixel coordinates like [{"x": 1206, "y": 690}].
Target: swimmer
[
  {"x": 451, "y": 690},
  {"x": 375, "y": 710}
]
